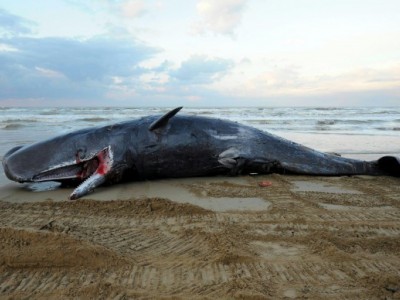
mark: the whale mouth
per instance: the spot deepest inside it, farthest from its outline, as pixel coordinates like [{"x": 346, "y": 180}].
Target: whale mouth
[{"x": 80, "y": 170}]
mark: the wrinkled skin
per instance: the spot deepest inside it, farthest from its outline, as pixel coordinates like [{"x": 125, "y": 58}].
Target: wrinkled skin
[{"x": 173, "y": 146}]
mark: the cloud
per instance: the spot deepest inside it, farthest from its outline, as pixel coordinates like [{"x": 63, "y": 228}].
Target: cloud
[
  {"x": 14, "y": 25},
  {"x": 221, "y": 16},
  {"x": 162, "y": 84},
  {"x": 61, "y": 68},
  {"x": 199, "y": 69},
  {"x": 125, "y": 8},
  {"x": 290, "y": 82},
  {"x": 132, "y": 8}
]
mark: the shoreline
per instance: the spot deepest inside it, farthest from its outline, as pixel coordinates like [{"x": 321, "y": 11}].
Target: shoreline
[{"x": 170, "y": 188}]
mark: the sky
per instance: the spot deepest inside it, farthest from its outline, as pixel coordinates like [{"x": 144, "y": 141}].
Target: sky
[{"x": 200, "y": 53}]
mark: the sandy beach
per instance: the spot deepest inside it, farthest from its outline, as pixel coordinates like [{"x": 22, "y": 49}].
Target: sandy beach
[{"x": 222, "y": 237}]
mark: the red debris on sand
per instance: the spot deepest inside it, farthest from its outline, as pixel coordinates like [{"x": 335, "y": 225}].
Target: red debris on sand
[{"x": 264, "y": 183}]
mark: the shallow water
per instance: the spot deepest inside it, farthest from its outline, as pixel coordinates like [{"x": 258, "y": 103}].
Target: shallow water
[
  {"x": 169, "y": 188},
  {"x": 218, "y": 204},
  {"x": 321, "y": 187}
]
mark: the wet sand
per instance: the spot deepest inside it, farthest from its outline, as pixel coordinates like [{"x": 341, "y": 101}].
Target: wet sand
[{"x": 213, "y": 238}]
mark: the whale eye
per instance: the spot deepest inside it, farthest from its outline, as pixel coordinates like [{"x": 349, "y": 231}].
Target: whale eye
[{"x": 80, "y": 153}]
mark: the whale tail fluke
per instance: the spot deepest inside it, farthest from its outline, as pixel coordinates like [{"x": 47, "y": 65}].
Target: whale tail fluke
[{"x": 390, "y": 165}]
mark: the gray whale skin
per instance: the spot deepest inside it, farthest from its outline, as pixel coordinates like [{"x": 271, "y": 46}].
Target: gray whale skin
[{"x": 173, "y": 146}]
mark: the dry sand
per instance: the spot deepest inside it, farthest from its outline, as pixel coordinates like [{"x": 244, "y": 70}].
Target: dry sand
[{"x": 215, "y": 238}]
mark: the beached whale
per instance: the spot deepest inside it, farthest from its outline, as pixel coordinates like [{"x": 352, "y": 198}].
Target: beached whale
[{"x": 173, "y": 146}]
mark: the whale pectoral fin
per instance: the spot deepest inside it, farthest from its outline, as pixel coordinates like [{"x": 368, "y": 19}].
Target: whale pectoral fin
[
  {"x": 230, "y": 160},
  {"x": 239, "y": 162},
  {"x": 235, "y": 165},
  {"x": 234, "y": 160},
  {"x": 162, "y": 121}
]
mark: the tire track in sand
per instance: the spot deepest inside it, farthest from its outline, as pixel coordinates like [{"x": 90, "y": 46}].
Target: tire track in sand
[{"x": 301, "y": 247}]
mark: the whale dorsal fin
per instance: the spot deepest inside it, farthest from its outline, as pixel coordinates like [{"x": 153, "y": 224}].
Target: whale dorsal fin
[{"x": 162, "y": 121}]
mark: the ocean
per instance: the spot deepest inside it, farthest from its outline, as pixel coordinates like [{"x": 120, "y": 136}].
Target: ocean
[{"x": 362, "y": 132}]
